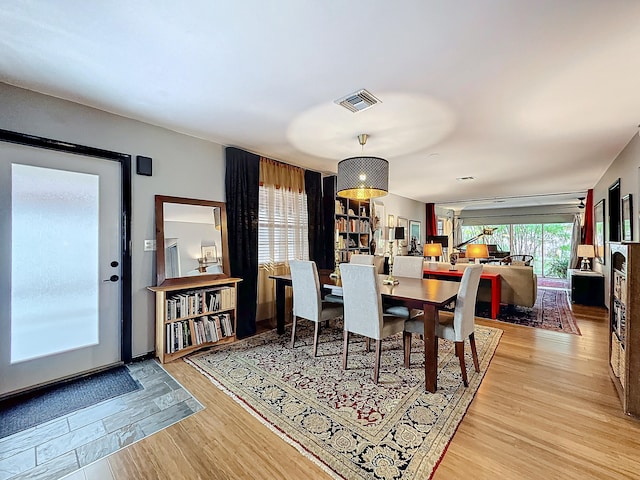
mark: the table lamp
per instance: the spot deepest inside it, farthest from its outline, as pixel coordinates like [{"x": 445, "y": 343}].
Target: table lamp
[
  {"x": 432, "y": 250},
  {"x": 586, "y": 252},
  {"x": 477, "y": 250}
]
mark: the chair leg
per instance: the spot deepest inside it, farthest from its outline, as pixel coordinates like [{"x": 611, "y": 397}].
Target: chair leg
[
  {"x": 376, "y": 368},
  {"x": 406, "y": 343},
  {"x": 474, "y": 352},
  {"x": 367, "y": 344},
  {"x": 293, "y": 331},
  {"x": 345, "y": 350},
  {"x": 315, "y": 339},
  {"x": 463, "y": 367}
]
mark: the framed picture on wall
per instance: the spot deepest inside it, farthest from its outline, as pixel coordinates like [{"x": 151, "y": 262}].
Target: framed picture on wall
[
  {"x": 378, "y": 225},
  {"x": 598, "y": 237},
  {"x": 415, "y": 234},
  {"x": 627, "y": 218}
]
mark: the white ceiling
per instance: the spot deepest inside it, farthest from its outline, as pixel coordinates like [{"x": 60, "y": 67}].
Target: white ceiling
[{"x": 530, "y": 97}]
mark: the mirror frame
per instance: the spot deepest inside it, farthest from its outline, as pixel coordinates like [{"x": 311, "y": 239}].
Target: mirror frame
[{"x": 160, "y": 265}]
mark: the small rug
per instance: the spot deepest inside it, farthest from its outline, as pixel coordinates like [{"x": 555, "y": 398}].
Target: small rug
[
  {"x": 340, "y": 419},
  {"x": 551, "y": 311},
  {"x": 39, "y": 407},
  {"x": 553, "y": 282}
]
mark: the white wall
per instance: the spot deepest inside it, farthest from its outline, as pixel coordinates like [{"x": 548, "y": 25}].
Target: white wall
[
  {"x": 182, "y": 166},
  {"x": 625, "y": 167}
]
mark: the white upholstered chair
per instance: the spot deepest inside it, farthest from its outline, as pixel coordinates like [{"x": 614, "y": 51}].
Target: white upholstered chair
[
  {"x": 307, "y": 302},
  {"x": 361, "y": 259},
  {"x": 455, "y": 327},
  {"x": 406, "y": 266},
  {"x": 363, "y": 310}
]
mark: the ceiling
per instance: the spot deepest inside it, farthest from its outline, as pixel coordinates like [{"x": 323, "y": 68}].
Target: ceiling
[{"x": 530, "y": 98}]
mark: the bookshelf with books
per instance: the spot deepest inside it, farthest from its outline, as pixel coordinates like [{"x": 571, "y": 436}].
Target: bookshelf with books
[
  {"x": 351, "y": 223},
  {"x": 194, "y": 315},
  {"x": 624, "y": 322}
]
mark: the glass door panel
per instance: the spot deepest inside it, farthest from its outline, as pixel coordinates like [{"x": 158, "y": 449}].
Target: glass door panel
[
  {"x": 60, "y": 246},
  {"x": 54, "y": 231},
  {"x": 557, "y": 249}
]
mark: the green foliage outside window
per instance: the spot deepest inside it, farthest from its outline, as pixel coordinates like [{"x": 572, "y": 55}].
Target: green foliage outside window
[{"x": 550, "y": 244}]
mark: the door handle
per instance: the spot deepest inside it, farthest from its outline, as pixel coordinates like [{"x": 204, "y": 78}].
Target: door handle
[{"x": 112, "y": 278}]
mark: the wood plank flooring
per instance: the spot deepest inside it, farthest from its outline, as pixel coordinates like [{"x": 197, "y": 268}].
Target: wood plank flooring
[{"x": 545, "y": 410}]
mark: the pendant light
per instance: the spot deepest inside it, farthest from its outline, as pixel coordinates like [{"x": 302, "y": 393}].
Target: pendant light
[{"x": 362, "y": 178}]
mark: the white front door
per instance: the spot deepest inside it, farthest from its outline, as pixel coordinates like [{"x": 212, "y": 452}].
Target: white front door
[{"x": 60, "y": 251}]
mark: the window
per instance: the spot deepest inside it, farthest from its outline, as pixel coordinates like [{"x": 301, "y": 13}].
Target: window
[
  {"x": 549, "y": 243},
  {"x": 283, "y": 232}
]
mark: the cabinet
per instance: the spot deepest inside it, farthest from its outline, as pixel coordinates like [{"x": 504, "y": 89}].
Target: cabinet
[
  {"x": 587, "y": 287},
  {"x": 624, "y": 322},
  {"x": 193, "y": 315}
]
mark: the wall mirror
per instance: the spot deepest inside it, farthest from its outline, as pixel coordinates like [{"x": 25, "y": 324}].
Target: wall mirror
[{"x": 191, "y": 240}]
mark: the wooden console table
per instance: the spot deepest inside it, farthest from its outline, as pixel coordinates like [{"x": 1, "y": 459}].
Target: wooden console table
[{"x": 493, "y": 278}]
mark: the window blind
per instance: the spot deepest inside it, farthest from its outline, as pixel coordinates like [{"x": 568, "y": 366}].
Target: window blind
[{"x": 283, "y": 231}]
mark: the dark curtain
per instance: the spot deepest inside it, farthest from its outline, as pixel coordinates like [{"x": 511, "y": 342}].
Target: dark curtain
[
  {"x": 329, "y": 207},
  {"x": 587, "y": 224},
  {"x": 313, "y": 189},
  {"x": 242, "y": 179},
  {"x": 432, "y": 220}
]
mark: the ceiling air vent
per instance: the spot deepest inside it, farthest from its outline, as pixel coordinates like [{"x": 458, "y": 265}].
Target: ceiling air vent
[{"x": 358, "y": 101}]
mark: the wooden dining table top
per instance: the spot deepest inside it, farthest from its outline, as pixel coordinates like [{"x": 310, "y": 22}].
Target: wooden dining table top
[
  {"x": 422, "y": 290},
  {"x": 438, "y": 292}
]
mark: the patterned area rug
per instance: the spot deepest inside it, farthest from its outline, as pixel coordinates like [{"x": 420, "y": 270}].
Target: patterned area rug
[
  {"x": 551, "y": 311},
  {"x": 340, "y": 419}
]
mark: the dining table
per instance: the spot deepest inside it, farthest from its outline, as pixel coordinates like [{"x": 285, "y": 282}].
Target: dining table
[{"x": 428, "y": 295}]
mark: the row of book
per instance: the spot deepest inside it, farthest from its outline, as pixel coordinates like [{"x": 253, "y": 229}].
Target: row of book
[
  {"x": 197, "y": 302},
  {"x": 352, "y": 226},
  {"x": 196, "y": 331}
]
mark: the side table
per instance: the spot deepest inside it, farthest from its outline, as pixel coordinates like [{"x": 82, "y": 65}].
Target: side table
[{"x": 587, "y": 287}]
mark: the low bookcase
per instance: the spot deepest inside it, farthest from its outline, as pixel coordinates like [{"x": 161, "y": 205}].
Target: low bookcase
[{"x": 193, "y": 315}]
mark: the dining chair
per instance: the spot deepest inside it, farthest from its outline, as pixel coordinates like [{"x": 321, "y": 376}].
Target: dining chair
[
  {"x": 363, "y": 310},
  {"x": 455, "y": 327},
  {"x": 307, "y": 301},
  {"x": 361, "y": 259},
  {"x": 406, "y": 266}
]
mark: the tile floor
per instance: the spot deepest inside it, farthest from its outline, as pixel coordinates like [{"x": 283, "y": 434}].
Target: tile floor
[{"x": 80, "y": 439}]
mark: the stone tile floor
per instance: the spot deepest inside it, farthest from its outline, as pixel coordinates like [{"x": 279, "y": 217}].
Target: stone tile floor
[{"x": 80, "y": 439}]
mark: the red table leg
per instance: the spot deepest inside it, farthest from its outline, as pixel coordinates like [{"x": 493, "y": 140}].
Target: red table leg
[{"x": 495, "y": 297}]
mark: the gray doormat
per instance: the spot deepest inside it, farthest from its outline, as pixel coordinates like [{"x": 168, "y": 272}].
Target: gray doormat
[{"x": 29, "y": 410}]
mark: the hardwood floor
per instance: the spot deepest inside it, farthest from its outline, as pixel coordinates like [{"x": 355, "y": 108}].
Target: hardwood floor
[{"x": 545, "y": 410}]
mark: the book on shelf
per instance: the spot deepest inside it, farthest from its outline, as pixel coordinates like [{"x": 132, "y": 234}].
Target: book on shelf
[{"x": 182, "y": 334}]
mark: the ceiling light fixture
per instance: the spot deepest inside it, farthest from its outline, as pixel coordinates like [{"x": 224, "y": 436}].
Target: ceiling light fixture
[
  {"x": 362, "y": 178},
  {"x": 581, "y": 202}
]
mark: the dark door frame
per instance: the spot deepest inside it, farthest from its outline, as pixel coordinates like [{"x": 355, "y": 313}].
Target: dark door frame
[{"x": 125, "y": 260}]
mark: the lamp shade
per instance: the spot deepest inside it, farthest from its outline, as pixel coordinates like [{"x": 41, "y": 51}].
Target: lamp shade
[
  {"x": 586, "y": 251},
  {"x": 398, "y": 233},
  {"x": 477, "y": 250},
  {"x": 432, "y": 250},
  {"x": 362, "y": 178}
]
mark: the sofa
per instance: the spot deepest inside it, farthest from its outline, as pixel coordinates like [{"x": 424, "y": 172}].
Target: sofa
[{"x": 519, "y": 285}]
